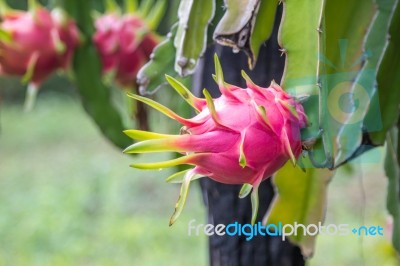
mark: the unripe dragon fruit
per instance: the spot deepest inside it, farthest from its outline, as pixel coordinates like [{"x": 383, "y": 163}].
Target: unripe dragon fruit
[
  {"x": 35, "y": 43},
  {"x": 124, "y": 43},
  {"x": 242, "y": 137}
]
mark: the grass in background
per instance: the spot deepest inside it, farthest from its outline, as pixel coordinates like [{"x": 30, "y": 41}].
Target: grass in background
[{"x": 68, "y": 197}]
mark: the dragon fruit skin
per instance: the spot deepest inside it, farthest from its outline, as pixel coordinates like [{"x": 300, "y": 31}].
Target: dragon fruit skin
[
  {"x": 40, "y": 43},
  {"x": 242, "y": 137},
  {"x": 124, "y": 44}
]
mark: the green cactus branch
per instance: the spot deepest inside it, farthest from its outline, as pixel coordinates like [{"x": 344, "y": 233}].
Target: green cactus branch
[
  {"x": 392, "y": 170},
  {"x": 301, "y": 39},
  {"x": 345, "y": 100},
  {"x": 151, "y": 76},
  {"x": 388, "y": 81},
  {"x": 302, "y": 200},
  {"x": 238, "y": 22},
  {"x": 191, "y": 37},
  {"x": 364, "y": 85},
  {"x": 96, "y": 97},
  {"x": 262, "y": 29}
]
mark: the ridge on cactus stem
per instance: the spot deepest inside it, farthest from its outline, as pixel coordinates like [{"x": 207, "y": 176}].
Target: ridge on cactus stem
[
  {"x": 124, "y": 42},
  {"x": 242, "y": 137},
  {"x": 35, "y": 43}
]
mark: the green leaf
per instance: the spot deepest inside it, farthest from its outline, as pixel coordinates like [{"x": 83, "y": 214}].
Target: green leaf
[
  {"x": 154, "y": 145},
  {"x": 145, "y": 135},
  {"x": 31, "y": 67},
  {"x": 160, "y": 165},
  {"x": 156, "y": 14},
  {"x": 245, "y": 190},
  {"x": 151, "y": 76},
  {"x": 255, "y": 203},
  {"x": 185, "y": 93},
  {"x": 219, "y": 73},
  {"x": 388, "y": 82},
  {"x": 242, "y": 156},
  {"x": 301, "y": 197},
  {"x": 191, "y": 38},
  {"x": 4, "y": 8},
  {"x": 131, "y": 6},
  {"x": 182, "y": 197},
  {"x": 33, "y": 5},
  {"x": 112, "y": 6},
  {"x": 211, "y": 107},
  {"x": 236, "y": 26},
  {"x": 263, "y": 27},
  {"x": 5, "y": 36},
  {"x": 392, "y": 170},
  {"x": 145, "y": 7},
  {"x": 179, "y": 176},
  {"x": 159, "y": 107}
]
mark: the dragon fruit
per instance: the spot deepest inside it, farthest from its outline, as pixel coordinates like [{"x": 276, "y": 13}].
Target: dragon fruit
[
  {"x": 242, "y": 137},
  {"x": 35, "y": 43},
  {"x": 124, "y": 43}
]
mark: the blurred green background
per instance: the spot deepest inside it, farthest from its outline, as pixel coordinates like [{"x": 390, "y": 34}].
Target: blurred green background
[{"x": 68, "y": 197}]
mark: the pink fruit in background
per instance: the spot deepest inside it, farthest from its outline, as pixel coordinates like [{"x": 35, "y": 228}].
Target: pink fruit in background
[
  {"x": 124, "y": 44},
  {"x": 35, "y": 43},
  {"x": 242, "y": 137}
]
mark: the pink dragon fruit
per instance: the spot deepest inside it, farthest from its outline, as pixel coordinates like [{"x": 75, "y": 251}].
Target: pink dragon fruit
[
  {"x": 35, "y": 43},
  {"x": 124, "y": 44},
  {"x": 242, "y": 137}
]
